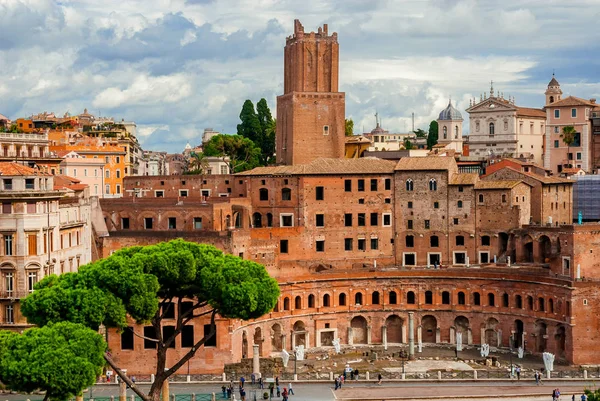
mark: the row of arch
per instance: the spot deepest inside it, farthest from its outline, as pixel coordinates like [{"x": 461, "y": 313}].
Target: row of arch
[
  {"x": 541, "y": 304},
  {"x": 410, "y": 185},
  {"x": 286, "y": 194}
]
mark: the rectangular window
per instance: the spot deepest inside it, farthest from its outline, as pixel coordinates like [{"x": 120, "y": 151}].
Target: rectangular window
[
  {"x": 118, "y": 189},
  {"x": 74, "y": 172},
  {"x": 85, "y": 172},
  {"x": 29, "y": 183},
  {"x": 362, "y": 244},
  {"x": 107, "y": 189},
  {"x": 283, "y": 246},
  {"x": 148, "y": 223},
  {"x": 127, "y": 338},
  {"x": 320, "y": 246},
  {"x": 320, "y": 193},
  {"x": 125, "y": 223},
  {"x": 387, "y": 219},
  {"x": 9, "y": 283},
  {"x": 320, "y": 220},
  {"x": 409, "y": 224},
  {"x": 373, "y": 184},
  {"x": 348, "y": 185},
  {"x": 436, "y": 205},
  {"x": 8, "y": 245},
  {"x": 206, "y": 193},
  {"x": 118, "y": 159},
  {"x": 556, "y": 113},
  {"x": 573, "y": 113},
  {"x": 172, "y": 223},
  {"x": 456, "y": 220},
  {"x": 187, "y": 336},
  {"x": 388, "y": 184},
  {"x": 361, "y": 185},
  {"x": 286, "y": 220},
  {"x": 348, "y": 242},
  {"x": 348, "y": 219},
  {"x": 578, "y": 155},
  {"x": 212, "y": 341},
  {"x": 168, "y": 310},
  {"x": 150, "y": 334},
  {"x": 32, "y": 279},
  {"x": 460, "y": 189},
  {"x": 168, "y": 331},
  {"x": 159, "y": 194},
  {"x": 118, "y": 173},
  {"x": 224, "y": 170},
  {"x": 374, "y": 219},
  {"x": 409, "y": 205},
  {"x": 8, "y": 184},
  {"x": 326, "y": 130},
  {"x": 427, "y": 225},
  {"x": 32, "y": 244},
  {"x": 197, "y": 223},
  {"x": 183, "y": 193},
  {"x": 556, "y": 143},
  {"x": 362, "y": 219},
  {"x": 374, "y": 243},
  {"x": 9, "y": 314}
]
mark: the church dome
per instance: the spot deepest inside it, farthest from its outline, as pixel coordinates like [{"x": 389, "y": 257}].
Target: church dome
[{"x": 450, "y": 113}]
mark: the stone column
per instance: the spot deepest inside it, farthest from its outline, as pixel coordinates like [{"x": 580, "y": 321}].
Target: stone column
[
  {"x": 123, "y": 391},
  {"x": 499, "y": 336},
  {"x": 165, "y": 391},
  {"x": 368, "y": 334},
  {"x": 307, "y": 337},
  {"x": 469, "y": 336},
  {"x": 255, "y": 360},
  {"x": 482, "y": 340},
  {"x": 420, "y": 338},
  {"x": 452, "y": 335},
  {"x": 411, "y": 335},
  {"x": 283, "y": 341},
  {"x": 404, "y": 339},
  {"x": 350, "y": 339},
  {"x": 384, "y": 337},
  {"x": 438, "y": 335}
]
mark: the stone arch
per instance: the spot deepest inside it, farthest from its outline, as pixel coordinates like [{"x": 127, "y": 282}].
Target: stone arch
[
  {"x": 299, "y": 334},
  {"x": 502, "y": 242},
  {"x": 528, "y": 249},
  {"x": 257, "y": 220},
  {"x": 311, "y": 301},
  {"x": 244, "y": 344},
  {"x": 298, "y": 302},
  {"x": 286, "y": 303},
  {"x": 342, "y": 299},
  {"x": 545, "y": 248},
  {"x": 429, "y": 329},
  {"x": 326, "y": 300},
  {"x": 359, "y": 330},
  {"x": 375, "y": 298},
  {"x": 461, "y": 324},
  {"x": 393, "y": 298},
  {"x": 541, "y": 335},
  {"x": 519, "y": 333},
  {"x": 393, "y": 326},
  {"x": 358, "y": 298},
  {"x": 461, "y": 298},
  {"x": 491, "y": 331},
  {"x": 258, "y": 339},
  {"x": 560, "y": 338},
  {"x": 276, "y": 338},
  {"x": 410, "y": 297}
]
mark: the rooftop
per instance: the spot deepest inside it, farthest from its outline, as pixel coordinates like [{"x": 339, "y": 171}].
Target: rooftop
[
  {"x": 16, "y": 169},
  {"x": 572, "y": 101},
  {"x": 530, "y": 112},
  {"x": 498, "y": 184},
  {"x": 464, "y": 179},
  {"x": 365, "y": 165},
  {"x": 426, "y": 163}
]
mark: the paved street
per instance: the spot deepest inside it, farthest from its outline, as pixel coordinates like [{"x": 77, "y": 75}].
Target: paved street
[{"x": 463, "y": 391}]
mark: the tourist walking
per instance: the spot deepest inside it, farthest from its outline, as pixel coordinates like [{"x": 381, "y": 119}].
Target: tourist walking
[
  {"x": 379, "y": 378},
  {"x": 518, "y": 370},
  {"x": 224, "y": 390},
  {"x": 284, "y": 394},
  {"x": 336, "y": 382},
  {"x": 355, "y": 374},
  {"x": 242, "y": 394},
  {"x": 242, "y": 380},
  {"x": 271, "y": 389},
  {"x": 278, "y": 391},
  {"x": 536, "y": 376},
  {"x": 253, "y": 378},
  {"x": 290, "y": 389}
]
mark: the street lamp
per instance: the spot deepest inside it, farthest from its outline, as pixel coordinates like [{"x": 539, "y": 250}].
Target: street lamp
[
  {"x": 295, "y": 363},
  {"x": 510, "y": 343},
  {"x": 403, "y": 357}
]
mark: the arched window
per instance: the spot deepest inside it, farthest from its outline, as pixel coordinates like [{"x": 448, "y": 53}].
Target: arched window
[
  {"x": 428, "y": 297},
  {"x": 326, "y": 300},
  {"x": 445, "y": 132},
  {"x": 358, "y": 298},
  {"x": 409, "y": 185},
  {"x": 276, "y": 308},
  {"x": 269, "y": 220},
  {"x": 541, "y": 304},
  {"x": 519, "y": 302},
  {"x": 263, "y": 194},
  {"x": 342, "y": 299},
  {"x": 375, "y": 298},
  {"x": 393, "y": 298},
  {"x": 491, "y": 299},
  {"x": 445, "y": 298},
  {"x": 480, "y": 198},
  {"x": 551, "y": 305},
  {"x": 257, "y": 220},
  {"x": 456, "y": 132},
  {"x": 433, "y": 185},
  {"x": 505, "y": 300},
  {"x": 434, "y": 241},
  {"x": 491, "y": 128},
  {"x": 476, "y": 298},
  {"x": 461, "y": 298},
  {"x": 286, "y": 303},
  {"x": 551, "y": 99},
  {"x": 530, "y": 302},
  {"x": 311, "y": 301},
  {"x": 298, "y": 302},
  {"x": 286, "y": 194},
  {"x": 410, "y": 298},
  {"x": 460, "y": 204}
]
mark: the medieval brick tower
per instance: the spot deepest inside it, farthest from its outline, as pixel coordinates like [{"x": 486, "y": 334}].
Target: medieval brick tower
[{"x": 311, "y": 111}]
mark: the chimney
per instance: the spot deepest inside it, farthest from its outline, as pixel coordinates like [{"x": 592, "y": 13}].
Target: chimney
[{"x": 593, "y": 101}]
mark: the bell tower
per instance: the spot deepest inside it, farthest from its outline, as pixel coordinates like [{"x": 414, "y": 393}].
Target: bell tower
[
  {"x": 553, "y": 93},
  {"x": 311, "y": 111}
]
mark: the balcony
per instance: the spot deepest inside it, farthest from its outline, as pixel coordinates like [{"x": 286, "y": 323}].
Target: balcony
[
  {"x": 25, "y": 137},
  {"x": 13, "y": 294}
]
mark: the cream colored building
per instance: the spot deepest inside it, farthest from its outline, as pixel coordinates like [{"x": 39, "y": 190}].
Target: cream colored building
[
  {"x": 498, "y": 127},
  {"x": 450, "y": 129},
  {"x": 88, "y": 171},
  {"x": 44, "y": 229}
]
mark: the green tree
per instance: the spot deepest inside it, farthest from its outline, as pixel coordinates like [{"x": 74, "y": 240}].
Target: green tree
[
  {"x": 250, "y": 125},
  {"x": 266, "y": 138},
  {"x": 243, "y": 154},
  {"x": 432, "y": 136},
  {"x": 592, "y": 395},
  {"x": 420, "y": 133},
  {"x": 198, "y": 163},
  {"x": 143, "y": 283},
  {"x": 408, "y": 144},
  {"x": 349, "y": 127},
  {"x": 61, "y": 359},
  {"x": 568, "y": 136}
]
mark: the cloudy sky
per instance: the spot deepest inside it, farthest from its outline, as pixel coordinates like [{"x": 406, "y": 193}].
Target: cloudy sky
[{"x": 179, "y": 66}]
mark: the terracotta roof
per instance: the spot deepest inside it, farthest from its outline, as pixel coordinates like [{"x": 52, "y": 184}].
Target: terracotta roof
[
  {"x": 529, "y": 112},
  {"x": 64, "y": 181},
  {"x": 364, "y": 165},
  {"x": 11, "y": 168},
  {"x": 426, "y": 163},
  {"x": 464, "y": 179},
  {"x": 498, "y": 184},
  {"x": 542, "y": 179},
  {"x": 571, "y": 170},
  {"x": 3, "y": 117},
  {"x": 572, "y": 101},
  {"x": 357, "y": 139}
]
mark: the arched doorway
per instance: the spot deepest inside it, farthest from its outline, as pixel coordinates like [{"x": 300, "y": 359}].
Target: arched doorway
[
  {"x": 503, "y": 242},
  {"x": 359, "y": 330},
  {"x": 257, "y": 220},
  {"x": 461, "y": 324},
  {"x": 541, "y": 331},
  {"x": 491, "y": 332},
  {"x": 244, "y": 345},
  {"x": 428, "y": 329},
  {"x": 518, "y": 336},
  {"x": 276, "y": 338},
  {"x": 393, "y": 326},
  {"x": 545, "y": 248},
  {"x": 258, "y": 339},
  {"x": 560, "y": 338},
  {"x": 299, "y": 334},
  {"x": 528, "y": 249}
]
